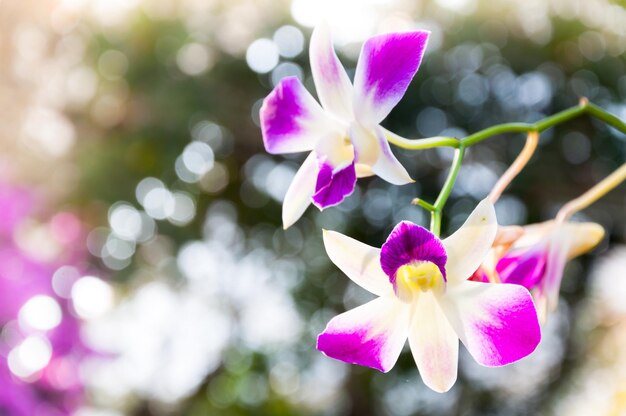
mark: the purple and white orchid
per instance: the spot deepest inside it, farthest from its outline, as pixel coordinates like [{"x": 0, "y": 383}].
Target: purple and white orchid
[
  {"x": 536, "y": 259},
  {"x": 343, "y": 134},
  {"x": 424, "y": 295}
]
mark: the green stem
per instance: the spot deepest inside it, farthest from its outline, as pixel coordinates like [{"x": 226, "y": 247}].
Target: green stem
[
  {"x": 444, "y": 194},
  {"x": 451, "y": 179},
  {"x": 583, "y": 108},
  {"x": 495, "y": 130},
  {"x": 607, "y": 117},
  {"x": 423, "y": 204},
  {"x": 419, "y": 144},
  {"x": 435, "y": 222}
]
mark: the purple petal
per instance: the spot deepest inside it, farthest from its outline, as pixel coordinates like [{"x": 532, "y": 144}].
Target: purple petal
[
  {"x": 290, "y": 118},
  {"x": 385, "y": 69},
  {"x": 333, "y": 187},
  {"x": 523, "y": 267},
  {"x": 407, "y": 243},
  {"x": 371, "y": 335},
  {"x": 497, "y": 323}
]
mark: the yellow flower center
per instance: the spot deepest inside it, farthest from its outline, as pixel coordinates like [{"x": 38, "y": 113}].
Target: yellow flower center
[{"x": 418, "y": 277}]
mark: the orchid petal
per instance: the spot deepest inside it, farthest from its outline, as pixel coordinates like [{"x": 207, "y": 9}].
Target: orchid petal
[
  {"x": 523, "y": 267},
  {"x": 559, "y": 247},
  {"x": 384, "y": 71},
  {"x": 362, "y": 170},
  {"x": 562, "y": 243},
  {"x": 583, "y": 236},
  {"x": 534, "y": 234},
  {"x": 371, "y": 335},
  {"x": 299, "y": 193},
  {"x": 434, "y": 344},
  {"x": 409, "y": 243},
  {"x": 366, "y": 145},
  {"x": 360, "y": 262},
  {"x": 331, "y": 81},
  {"x": 332, "y": 187},
  {"x": 497, "y": 323},
  {"x": 387, "y": 166},
  {"x": 470, "y": 244},
  {"x": 371, "y": 148},
  {"x": 290, "y": 118}
]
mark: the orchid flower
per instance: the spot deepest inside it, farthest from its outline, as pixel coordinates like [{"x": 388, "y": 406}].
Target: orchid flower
[
  {"x": 424, "y": 295},
  {"x": 343, "y": 135},
  {"x": 536, "y": 258}
]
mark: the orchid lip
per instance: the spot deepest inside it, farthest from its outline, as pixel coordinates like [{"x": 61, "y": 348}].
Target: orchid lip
[{"x": 410, "y": 245}]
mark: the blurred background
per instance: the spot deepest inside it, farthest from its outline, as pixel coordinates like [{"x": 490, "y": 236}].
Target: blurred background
[{"x": 143, "y": 267}]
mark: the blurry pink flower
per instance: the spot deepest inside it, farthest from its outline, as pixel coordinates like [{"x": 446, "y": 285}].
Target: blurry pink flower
[
  {"x": 35, "y": 314},
  {"x": 536, "y": 258}
]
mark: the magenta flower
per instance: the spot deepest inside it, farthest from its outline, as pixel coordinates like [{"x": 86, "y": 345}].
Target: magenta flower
[
  {"x": 424, "y": 295},
  {"x": 343, "y": 135},
  {"x": 43, "y": 348},
  {"x": 537, "y": 259}
]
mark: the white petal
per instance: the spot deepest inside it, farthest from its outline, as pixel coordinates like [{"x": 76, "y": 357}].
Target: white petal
[
  {"x": 468, "y": 247},
  {"x": 371, "y": 148},
  {"x": 558, "y": 249},
  {"x": 584, "y": 236},
  {"x": 366, "y": 146},
  {"x": 434, "y": 344},
  {"x": 358, "y": 261},
  {"x": 331, "y": 81},
  {"x": 302, "y": 188},
  {"x": 387, "y": 166},
  {"x": 363, "y": 171}
]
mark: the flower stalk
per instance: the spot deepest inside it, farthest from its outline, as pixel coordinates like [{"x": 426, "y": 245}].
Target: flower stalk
[
  {"x": 516, "y": 167},
  {"x": 592, "y": 195},
  {"x": 444, "y": 194}
]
